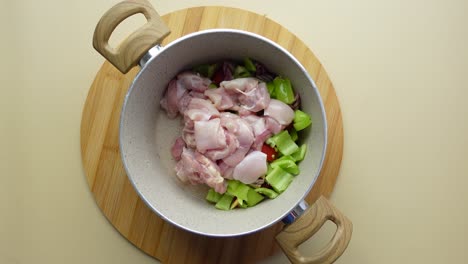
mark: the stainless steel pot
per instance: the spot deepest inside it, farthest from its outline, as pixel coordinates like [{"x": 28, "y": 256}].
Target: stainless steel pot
[{"x": 146, "y": 134}]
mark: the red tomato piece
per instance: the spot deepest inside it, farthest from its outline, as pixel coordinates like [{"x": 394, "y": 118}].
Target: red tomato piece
[
  {"x": 218, "y": 77},
  {"x": 270, "y": 152}
]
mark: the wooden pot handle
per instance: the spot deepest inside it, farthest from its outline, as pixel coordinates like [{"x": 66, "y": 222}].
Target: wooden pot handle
[
  {"x": 136, "y": 44},
  {"x": 307, "y": 225}
]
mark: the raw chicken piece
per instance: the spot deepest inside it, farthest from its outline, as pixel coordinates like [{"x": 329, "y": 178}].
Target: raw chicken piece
[
  {"x": 220, "y": 145},
  {"x": 240, "y": 85},
  {"x": 226, "y": 170},
  {"x": 210, "y": 173},
  {"x": 231, "y": 145},
  {"x": 257, "y": 123},
  {"x": 201, "y": 110},
  {"x": 184, "y": 102},
  {"x": 260, "y": 139},
  {"x": 261, "y": 130},
  {"x": 244, "y": 112},
  {"x": 251, "y": 167},
  {"x": 192, "y": 81},
  {"x": 209, "y": 135},
  {"x": 256, "y": 99},
  {"x": 189, "y": 138},
  {"x": 177, "y": 148},
  {"x": 272, "y": 125},
  {"x": 236, "y": 156},
  {"x": 280, "y": 111},
  {"x": 196, "y": 168},
  {"x": 170, "y": 101},
  {"x": 252, "y": 95},
  {"x": 245, "y": 137},
  {"x": 200, "y": 95},
  {"x": 187, "y": 167},
  {"x": 221, "y": 99},
  {"x": 175, "y": 99},
  {"x": 228, "y": 121}
]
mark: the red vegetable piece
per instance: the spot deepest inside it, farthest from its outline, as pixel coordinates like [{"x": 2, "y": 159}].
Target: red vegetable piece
[
  {"x": 218, "y": 77},
  {"x": 270, "y": 152}
]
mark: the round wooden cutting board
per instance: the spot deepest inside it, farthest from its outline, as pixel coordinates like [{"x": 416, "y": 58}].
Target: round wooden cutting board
[{"x": 113, "y": 191}]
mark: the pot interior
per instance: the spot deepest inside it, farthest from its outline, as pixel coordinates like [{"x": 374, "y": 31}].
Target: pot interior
[{"x": 147, "y": 135}]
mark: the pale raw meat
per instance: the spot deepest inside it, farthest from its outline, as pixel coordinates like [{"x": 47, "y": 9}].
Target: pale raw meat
[
  {"x": 256, "y": 99},
  {"x": 228, "y": 121},
  {"x": 260, "y": 139},
  {"x": 252, "y": 95},
  {"x": 209, "y": 135},
  {"x": 215, "y": 144},
  {"x": 177, "y": 148},
  {"x": 184, "y": 102},
  {"x": 237, "y": 156},
  {"x": 244, "y": 133},
  {"x": 251, "y": 167},
  {"x": 257, "y": 123},
  {"x": 263, "y": 127},
  {"x": 226, "y": 170},
  {"x": 272, "y": 125},
  {"x": 170, "y": 101},
  {"x": 240, "y": 85},
  {"x": 245, "y": 137},
  {"x": 232, "y": 145},
  {"x": 244, "y": 112},
  {"x": 200, "y": 95},
  {"x": 192, "y": 81},
  {"x": 210, "y": 173},
  {"x": 201, "y": 110},
  {"x": 221, "y": 99},
  {"x": 280, "y": 111},
  {"x": 187, "y": 167},
  {"x": 189, "y": 138},
  {"x": 196, "y": 168}
]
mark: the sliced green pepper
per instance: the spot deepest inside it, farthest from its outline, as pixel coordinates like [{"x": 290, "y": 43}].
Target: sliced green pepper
[
  {"x": 225, "y": 202},
  {"x": 300, "y": 153},
  {"x": 213, "y": 196},
  {"x": 249, "y": 65},
  {"x": 206, "y": 70},
  {"x": 271, "y": 89},
  {"x": 238, "y": 189},
  {"x": 279, "y": 179},
  {"x": 267, "y": 192},
  {"x": 293, "y": 134},
  {"x": 283, "y": 90},
  {"x": 253, "y": 197},
  {"x": 283, "y": 142},
  {"x": 241, "y": 72},
  {"x": 301, "y": 120},
  {"x": 286, "y": 163},
  {"x": 269, "y": 168},
  {"x": 212, "y": 86}
]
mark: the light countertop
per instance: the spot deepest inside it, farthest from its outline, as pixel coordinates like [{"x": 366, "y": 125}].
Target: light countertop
[{"x": 400, "y": 72}]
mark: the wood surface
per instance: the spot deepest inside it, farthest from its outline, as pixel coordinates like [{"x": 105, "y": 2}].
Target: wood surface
[
  {"x": 113, "y": 191},
  {"x": 308, "y": 224},
  {"x": 130, "y": 51}
]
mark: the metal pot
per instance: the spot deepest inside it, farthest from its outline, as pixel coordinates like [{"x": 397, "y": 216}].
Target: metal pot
[{"x": 146, "y": 134}]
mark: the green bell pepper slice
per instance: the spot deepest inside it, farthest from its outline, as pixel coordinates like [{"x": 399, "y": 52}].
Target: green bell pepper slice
[
  {"x": 279, "y": 179},
  {"x": 301, "y": 120}
]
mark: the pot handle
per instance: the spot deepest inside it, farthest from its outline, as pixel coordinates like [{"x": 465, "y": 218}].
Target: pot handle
[
  {"x": 307, "y": 225},
  {"x": 130, "y": 51}
]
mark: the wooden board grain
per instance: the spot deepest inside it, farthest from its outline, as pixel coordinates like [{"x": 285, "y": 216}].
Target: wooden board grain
[{"x": 113, "y": 191}]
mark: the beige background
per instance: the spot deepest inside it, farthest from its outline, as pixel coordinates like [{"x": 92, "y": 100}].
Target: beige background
[{"x": 399, "y": 69}]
